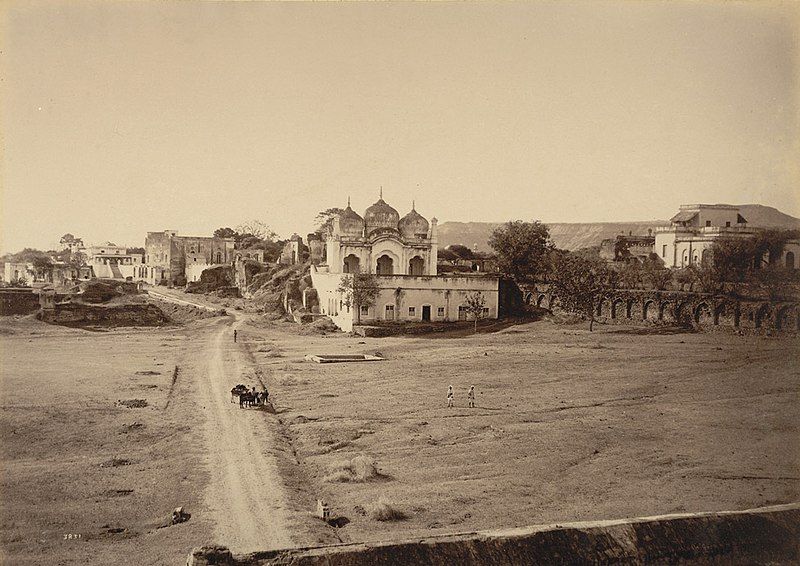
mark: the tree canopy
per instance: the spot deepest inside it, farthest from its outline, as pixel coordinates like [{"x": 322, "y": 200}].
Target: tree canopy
[
  {"x": 578, "y": 281},
  {"x": 324, "y": 220},
  {"x": 476, "y": 302},
  {"x": 521, "y": 248},
  {"x": 359, "y": 290}
]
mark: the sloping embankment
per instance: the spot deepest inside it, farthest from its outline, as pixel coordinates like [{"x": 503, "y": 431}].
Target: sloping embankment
[{"x": 768, "y": 535}]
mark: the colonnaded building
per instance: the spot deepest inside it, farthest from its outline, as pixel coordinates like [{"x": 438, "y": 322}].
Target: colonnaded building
[
  {"x": 402, "y": 253},
  {"x": 689, "y": 239}
]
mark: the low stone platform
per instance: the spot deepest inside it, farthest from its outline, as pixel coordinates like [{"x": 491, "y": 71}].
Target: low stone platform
[{"x": 767, "y": 535}]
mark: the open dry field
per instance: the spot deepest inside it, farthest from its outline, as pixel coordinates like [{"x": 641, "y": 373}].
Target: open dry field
[
  {"x": 87, "y": 479},
  {"x": 569, "y": 426}
]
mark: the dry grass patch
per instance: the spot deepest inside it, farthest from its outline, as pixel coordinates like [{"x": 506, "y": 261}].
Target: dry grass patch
[
  {"x": 384, "y": 510},
  {"x": 357, "y": 470}
]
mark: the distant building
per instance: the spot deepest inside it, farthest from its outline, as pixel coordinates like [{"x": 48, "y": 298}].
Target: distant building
[
  {"x": 402, "y": 253},
  {"x": 58, "y": 274},
  {"x": 250, "y": 253},
  {"x": 110, "y": 261},
  {"x": 71, "y": 243},
  {"x": 292, "y": 252},
  {"x": 173, "y": 260},
  {"x": 626, "y": 248},
  {"x": 696, "y": 227}
]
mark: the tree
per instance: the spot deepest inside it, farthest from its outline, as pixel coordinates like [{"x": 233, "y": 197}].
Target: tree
[
  {"x": 359, "y": 290},
  {"x": 461, "y": 252},
  {"x": 738, "y": 259},
  {"x": 621, "y": 249},
  {"x": 521, "y": 249},
  {"x": 43, "y": 265},
  {"x": 734, "y": 258},
  {"x": 475, "y": 305},
  {"x": 775, "y": 281},
  {"x": 446, "y": 255},
  {"x": 705, "y": 278},
  {"x": 139, "y": 251},
  {"x": 76, "y": 260},
  {"x": 256, "y": 228},
  {"x": 631, "y": 274},
  {"x": 225, "y": 233},
  {"x": 654, "y": 273},
  {"x": 578, "y": 282},
  {"x": 324, "y": 220}
]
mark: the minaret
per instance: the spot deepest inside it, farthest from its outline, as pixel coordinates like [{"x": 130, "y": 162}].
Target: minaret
[{"x": 433, "y": 236}]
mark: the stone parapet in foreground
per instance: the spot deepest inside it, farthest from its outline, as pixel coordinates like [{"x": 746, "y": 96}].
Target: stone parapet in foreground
[{"x": 768, "y": 535}]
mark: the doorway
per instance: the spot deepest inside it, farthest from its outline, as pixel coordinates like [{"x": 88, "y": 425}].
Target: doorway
[{"x": 426, "y": 313}]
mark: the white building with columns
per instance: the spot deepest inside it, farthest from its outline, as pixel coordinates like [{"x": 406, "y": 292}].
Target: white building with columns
[
  {"x": 402, "y": 253},
  {"x": 690, "y": 238}
]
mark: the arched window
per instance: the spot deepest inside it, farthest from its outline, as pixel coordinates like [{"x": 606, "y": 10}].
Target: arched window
[
  {"x": 219, "y": 257},
  {"x": 351, "y": 264},
  {"x": 384, "y": 265},
  {"x": 416, "y": 266},
  {"x": 790, "y": 260}
]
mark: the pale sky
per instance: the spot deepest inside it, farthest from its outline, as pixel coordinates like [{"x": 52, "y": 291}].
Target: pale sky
[{"x": 120, "y": 118}]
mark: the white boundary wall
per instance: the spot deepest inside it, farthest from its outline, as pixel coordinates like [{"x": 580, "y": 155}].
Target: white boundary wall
[{"x": 405, "y": 298}]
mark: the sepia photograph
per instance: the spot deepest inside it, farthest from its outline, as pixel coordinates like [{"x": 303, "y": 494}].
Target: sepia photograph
[{"x": 399, "y": 282}]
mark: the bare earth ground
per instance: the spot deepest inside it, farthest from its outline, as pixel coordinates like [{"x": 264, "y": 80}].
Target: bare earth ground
[
  {"x": 88, "y": 481},
  {"x": 569, "y": 426}
]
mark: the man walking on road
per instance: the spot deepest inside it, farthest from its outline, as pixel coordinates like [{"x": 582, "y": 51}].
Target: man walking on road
[
  {"x": 471, "y": 396},
  {"x": 450, "y": 397}
]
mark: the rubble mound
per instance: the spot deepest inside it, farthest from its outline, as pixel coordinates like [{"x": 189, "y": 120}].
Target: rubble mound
[
  {"x": 279, "y": 286},
  {"x": 214, "y": 279},
  {"x": 97, "y": 291}
]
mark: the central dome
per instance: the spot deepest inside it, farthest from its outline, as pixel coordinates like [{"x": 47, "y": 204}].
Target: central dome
[{"x": 381, "y": 215}]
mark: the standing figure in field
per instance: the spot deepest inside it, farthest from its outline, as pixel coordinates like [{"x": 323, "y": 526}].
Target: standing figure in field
[
  {"x": 471, "y": 396},
  {"x": 450, "y": 396},
  {"x": 234, "y": 336}
]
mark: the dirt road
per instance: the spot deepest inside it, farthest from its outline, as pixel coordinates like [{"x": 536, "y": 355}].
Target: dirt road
[{"x": 245, "y": 496}]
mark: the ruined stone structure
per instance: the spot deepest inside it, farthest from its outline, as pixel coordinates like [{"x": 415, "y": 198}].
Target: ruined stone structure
[
  {"x": 292, "y": 252},
  {"x": 173, "y": 259},
  {"x": 402, "y": 253},
  {"x": 627, "y": 248},
  {"x": 316, "y": 248},
  {"x": 695, "y": 228},
  {"x": 699, "y": 310}
]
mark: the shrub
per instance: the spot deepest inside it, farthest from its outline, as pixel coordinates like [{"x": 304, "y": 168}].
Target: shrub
[
  {"x": 383, "y": 510},
  {"x": 357, "y": 470}
]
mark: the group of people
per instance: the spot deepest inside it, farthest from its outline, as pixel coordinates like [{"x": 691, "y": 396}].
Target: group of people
[
  {"x": 470, "y": 397},
  {"x": 250, "y": 398}
]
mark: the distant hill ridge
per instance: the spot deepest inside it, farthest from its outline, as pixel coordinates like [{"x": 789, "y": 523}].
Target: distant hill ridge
[{"x": 577, "y": 235}]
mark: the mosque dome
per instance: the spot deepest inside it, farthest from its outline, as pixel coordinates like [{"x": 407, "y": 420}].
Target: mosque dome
[
  {"x": 381, "y": 215},
  {"x": 413, "y": 224},
  {"x": 350, "y": 223}
]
